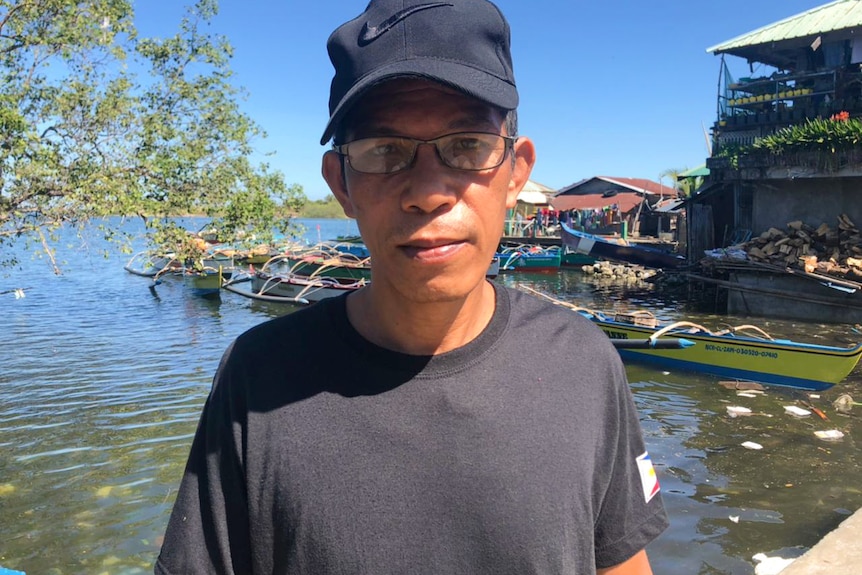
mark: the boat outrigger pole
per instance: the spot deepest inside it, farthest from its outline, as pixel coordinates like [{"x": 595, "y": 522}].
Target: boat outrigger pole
[
  {"x": 662, "y": 343},
  {"x": 648, "y": 343}
]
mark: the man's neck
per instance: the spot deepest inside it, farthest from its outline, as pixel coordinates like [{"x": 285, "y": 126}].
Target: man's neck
[{"x": 421, "y": 328}]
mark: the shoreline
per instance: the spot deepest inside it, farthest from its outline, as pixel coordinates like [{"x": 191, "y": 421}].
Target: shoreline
[{"x": 837, "y": 553}]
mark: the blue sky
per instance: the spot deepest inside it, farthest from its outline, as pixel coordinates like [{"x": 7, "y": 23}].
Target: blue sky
[{"x": 613, "y": 88}]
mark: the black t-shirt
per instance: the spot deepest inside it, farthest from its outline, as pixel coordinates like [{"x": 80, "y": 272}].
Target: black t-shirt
[{"x": 319, "y": 452}]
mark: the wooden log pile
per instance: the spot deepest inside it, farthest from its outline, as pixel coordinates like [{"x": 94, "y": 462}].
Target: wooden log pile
[{"x": 823, "y": 250}]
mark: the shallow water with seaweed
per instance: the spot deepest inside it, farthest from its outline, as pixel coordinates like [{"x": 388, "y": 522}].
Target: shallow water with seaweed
[{"x": 102, "y": 380}]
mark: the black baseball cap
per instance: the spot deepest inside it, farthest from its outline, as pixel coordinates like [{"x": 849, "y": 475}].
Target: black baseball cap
[{"x": 464, "y": 44}]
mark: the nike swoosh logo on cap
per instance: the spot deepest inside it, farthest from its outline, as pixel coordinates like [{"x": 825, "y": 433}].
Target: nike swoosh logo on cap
[{"x": 371, "y": 33}]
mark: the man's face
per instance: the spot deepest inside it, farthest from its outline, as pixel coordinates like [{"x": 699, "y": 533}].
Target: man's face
[{"x": 431, "y": 230}]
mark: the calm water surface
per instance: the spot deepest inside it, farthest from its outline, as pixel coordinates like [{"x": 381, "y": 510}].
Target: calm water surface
[{"x": 102, "y": 381}]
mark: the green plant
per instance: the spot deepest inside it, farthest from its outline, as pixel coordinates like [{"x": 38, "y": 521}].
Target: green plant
[{"x": 819, "y": 136}]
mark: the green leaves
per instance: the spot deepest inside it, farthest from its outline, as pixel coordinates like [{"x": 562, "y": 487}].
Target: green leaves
[
  {"x": 819, "y": 140},
  {"x": 814, "y": 135},
  {"x": 95, "y": 121}
]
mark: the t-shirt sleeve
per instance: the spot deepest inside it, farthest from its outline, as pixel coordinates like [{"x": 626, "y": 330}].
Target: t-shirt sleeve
[
  {"x": 631, "y": 513},
  {"x": 208, "y": 528}
]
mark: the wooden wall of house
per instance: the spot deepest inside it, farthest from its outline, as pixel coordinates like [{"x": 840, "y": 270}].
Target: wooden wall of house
[{"x": 699, "y": 231}]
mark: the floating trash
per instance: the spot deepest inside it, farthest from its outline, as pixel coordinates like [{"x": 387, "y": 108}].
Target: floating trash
[
  {"x": 796, "y": 411},
  {"x": 742, "y": 385},
  {"x": 19, "y": 292},
  {"x": 734, "y": 518},
  {"x": 737, "y": 411},
  {"x": 745, "y": 394},
  {"x": 770, "y": 565},
  {"x": 751, "y": 445},
  {"x": 844, "y": 403},
  {"x": 829, "y": 434}
]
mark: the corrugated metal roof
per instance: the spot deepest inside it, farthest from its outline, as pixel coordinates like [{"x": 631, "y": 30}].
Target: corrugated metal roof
[
  {"x": 627, "y": 201},
  {"x": 534, "y": 197},
  {"x": 700, "y": 171},
  {"x": 838, "y": 15},
  {"x": 669, "y": 206},
  {"x": 627, "y": 193},
  {"x": 533, "y": 186},
  {"x": 639, "y": 185}
]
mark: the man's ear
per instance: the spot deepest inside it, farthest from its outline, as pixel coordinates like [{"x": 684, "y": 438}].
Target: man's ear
[
  {"x": 333, "y": 173},
  {"x": 524, "y": 152}
]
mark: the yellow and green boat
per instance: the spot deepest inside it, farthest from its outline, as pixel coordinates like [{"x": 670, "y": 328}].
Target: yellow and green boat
[{"x": 744, "y": 353}]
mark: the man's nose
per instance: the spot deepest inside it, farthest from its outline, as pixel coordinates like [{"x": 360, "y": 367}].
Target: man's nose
[{"x": 430, "y": 186}]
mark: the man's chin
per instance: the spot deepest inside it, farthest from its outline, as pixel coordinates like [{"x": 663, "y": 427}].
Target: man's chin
[{"x": 441, "y": 289}]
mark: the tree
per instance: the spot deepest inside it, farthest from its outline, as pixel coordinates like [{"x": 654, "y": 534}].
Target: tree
[
  {"x": 95, "y": 122},
  {"x": 685, "y": 187}
]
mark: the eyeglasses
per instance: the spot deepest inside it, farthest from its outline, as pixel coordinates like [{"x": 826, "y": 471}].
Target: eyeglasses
[{"x": 471, "y": 151}]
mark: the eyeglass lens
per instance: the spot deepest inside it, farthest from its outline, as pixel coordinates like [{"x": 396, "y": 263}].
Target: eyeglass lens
[{"x": 471, "y": 151}]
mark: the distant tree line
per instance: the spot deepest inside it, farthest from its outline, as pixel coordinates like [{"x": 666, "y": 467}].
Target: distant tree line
[{"x": 327, "y": 207}]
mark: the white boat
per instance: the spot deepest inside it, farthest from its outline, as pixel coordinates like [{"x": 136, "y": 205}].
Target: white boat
[
  {"x": 292, "y": 288},
  {"x": 148, "y": 264}
]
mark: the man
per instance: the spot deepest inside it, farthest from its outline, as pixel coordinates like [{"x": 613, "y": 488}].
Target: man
[{"x": 432, "y": 422}]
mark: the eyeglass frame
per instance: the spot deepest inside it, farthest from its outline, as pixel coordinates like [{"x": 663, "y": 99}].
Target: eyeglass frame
[{"x": 508, "y": 146}]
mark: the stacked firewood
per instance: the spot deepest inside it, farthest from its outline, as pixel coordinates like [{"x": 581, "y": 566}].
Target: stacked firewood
[{"x": 824, "y": 250}]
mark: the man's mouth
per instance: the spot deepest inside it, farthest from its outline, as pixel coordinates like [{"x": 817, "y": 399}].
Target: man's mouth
[{"x": 432, "y": 250}]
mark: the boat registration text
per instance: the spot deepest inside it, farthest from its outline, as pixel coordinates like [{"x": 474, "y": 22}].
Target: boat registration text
[{"x": 740, "y": 350}]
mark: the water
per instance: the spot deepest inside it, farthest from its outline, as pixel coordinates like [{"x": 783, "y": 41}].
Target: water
[{"x": 102, "y": 381}]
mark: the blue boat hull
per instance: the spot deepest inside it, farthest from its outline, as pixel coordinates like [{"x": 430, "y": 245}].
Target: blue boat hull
[{"x": 599, "y": 247}]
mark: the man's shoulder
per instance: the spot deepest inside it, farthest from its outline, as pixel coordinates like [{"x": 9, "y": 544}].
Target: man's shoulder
[
  {"x": 554, "y": 322},
  {"x": 524, "y": 303},
  {"x": 293, "y": 328}
]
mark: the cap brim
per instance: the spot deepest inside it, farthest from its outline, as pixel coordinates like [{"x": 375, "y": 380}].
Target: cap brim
[{"x": 481, "y": 85}]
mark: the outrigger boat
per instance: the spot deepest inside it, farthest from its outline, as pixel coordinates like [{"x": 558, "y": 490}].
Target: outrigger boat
[
  {"x": 301, "y": 280},
  {"x": 617, "y": 249},
  {"x": 207, "y": 278},
  {"x": 148, "y": 264},
  {"x": 745, "y": 353},
  {"x": 529, "y": 259},
  {"x": 292, "y": 288},
  {"x": 322, "y": 260},
  {"x": 304, "y": 278}
]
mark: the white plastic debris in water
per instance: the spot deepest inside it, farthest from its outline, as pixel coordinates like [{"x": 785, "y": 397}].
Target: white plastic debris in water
[
  {"x": 770, "y": 565},
  {"x": 736, "y": 410},
  {"x": 734, "y": 518},
  {"x": 745, "y": 394},
  {"x": 751, "y": 445},
  {"x": 829, "y": 434},
  {"x": 796, "y": 411}
]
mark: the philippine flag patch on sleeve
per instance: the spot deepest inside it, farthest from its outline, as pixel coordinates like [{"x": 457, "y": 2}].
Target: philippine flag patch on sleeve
[{"x": 649, "y": 480}]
